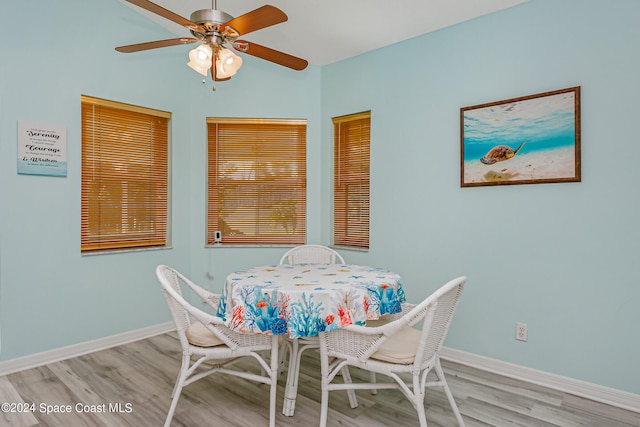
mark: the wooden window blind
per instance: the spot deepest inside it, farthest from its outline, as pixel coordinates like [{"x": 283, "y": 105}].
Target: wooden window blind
[
  {"x": 124, "y": 176},
  {"x": 257, "y": 181},
  {"x": 351, "y": 179}
]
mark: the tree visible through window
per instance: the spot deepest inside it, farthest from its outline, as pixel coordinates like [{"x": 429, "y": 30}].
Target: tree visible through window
[
  {"x": 124, "y": 176},
  {"x": 351, "y": 176},
  {"x": 257, "y": 181}
]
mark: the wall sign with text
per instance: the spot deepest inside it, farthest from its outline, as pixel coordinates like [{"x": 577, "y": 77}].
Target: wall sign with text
[{"x": 42, "y": 149}]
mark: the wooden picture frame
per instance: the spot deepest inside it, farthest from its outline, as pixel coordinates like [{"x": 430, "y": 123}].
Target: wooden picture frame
[{"x": 528, "y": 140}]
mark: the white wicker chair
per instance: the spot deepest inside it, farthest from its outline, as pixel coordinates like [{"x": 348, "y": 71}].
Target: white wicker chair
[
  {"x": 393, "y": 349},
  {"x": 311, "y": 254},
  {"x": 205, "y": 337}
]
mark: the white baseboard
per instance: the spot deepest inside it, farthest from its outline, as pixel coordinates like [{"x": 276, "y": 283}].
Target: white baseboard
[
  {"x": 610, "y": 396},
  {"x": 39, "y": 359}
]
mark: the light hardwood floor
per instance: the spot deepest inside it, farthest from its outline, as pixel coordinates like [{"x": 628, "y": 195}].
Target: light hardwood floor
[{"x": 132, "y": 384}]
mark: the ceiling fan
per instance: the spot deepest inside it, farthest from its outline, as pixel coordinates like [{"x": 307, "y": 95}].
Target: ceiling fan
[{"x": 217, "y": 29}]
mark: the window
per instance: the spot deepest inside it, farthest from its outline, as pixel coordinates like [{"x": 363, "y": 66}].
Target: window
[
  {"x": 257, "y": 181},
  {"x": 124, "y": 176},
  {"x": 351, "y": 172}
]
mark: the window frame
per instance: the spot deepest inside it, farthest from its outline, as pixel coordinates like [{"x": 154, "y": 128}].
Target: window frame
[
  {"x": 351, "y": 132},
  {"x": 249, "y": 203},
  {"x": 125, "y": 201}
]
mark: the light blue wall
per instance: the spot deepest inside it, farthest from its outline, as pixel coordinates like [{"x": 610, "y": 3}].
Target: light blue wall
[
  {"x": 560, "y": 257},
  {"x": 52, "y": 53}
]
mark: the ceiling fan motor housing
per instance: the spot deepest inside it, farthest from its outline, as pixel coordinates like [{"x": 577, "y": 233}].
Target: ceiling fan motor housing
[{"x": 212, "y": 20}]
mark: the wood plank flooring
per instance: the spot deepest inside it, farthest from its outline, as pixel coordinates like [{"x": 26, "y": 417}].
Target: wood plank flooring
[{"x": 130, "y": 386}]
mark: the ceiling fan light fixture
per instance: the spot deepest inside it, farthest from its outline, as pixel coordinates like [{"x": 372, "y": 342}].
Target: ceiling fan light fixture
[
  {"x": 200, "y": 58},
  {"x": 227, "y": 63}
]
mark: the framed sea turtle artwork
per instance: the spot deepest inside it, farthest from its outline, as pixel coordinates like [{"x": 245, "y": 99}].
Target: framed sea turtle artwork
[{"x": 528, "y": 140}]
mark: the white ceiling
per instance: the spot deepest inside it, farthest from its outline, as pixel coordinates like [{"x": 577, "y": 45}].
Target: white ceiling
[{"x": 326, "y": 31}]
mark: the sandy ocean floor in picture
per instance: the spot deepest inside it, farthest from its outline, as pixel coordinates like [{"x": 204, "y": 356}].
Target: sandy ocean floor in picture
[{"x": 546, "y": 164}]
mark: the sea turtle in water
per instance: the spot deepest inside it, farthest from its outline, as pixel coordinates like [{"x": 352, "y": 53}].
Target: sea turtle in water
[{"x": 500, "y": 153}]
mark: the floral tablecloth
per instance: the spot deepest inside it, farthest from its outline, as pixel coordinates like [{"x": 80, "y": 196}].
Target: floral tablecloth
[{"x": 303, "y": 300}]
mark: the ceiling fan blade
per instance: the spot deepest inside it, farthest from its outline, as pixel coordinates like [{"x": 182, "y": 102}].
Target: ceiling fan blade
[
  {"x": 156, "y": 44},
  {"x": 257, "y": 19},
  {"x": 165, "y": 13},
  {"x": 269, "y": 54}
]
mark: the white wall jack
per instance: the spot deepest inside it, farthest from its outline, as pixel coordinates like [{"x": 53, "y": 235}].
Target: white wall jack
[{"x": 521, "y": 331}]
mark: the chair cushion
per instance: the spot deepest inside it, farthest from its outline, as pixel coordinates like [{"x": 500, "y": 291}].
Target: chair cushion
[
  {"x": 383, "y": 320},
  {"x": 399, "y": 348},
  {"x": 198, "y": 334}
]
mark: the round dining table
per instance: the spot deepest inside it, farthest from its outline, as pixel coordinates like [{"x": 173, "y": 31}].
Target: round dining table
[{"x": 306, "y": 299}]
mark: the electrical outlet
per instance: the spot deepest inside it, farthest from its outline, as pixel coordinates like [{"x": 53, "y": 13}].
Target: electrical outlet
[{"x": 521, "y": 331}]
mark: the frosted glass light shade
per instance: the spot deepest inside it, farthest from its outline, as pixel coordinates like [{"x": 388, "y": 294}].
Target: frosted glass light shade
[
  {"x": 200, "y": 58},
  {"x": 227, "y": 63}
]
